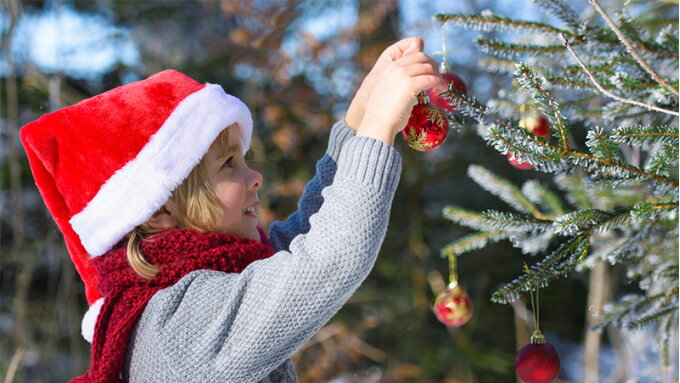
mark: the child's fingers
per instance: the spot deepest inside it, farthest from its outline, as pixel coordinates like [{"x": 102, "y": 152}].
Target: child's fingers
[
  {"x": 405, "y": 47},
  {"x": 426, "y": 81},
  {"x": 415, "y": 44},
  {"x": 418, "y": 69}
]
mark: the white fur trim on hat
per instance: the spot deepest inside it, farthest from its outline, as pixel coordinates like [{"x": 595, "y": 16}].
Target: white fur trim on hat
[
  {"x": 90, "y": 319},
  {"x": 137, "y": 190}
]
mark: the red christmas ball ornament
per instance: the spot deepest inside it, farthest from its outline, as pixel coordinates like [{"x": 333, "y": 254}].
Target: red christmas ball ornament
[
  {"x": 537, "y": 124},
  {"x": 453, "y": 307},
  {"x": 442, "y": 102},
  {"x": 537, "y": 362},
  {"x": 428, "y": 126},
  {"x": 514, "y": 161}
]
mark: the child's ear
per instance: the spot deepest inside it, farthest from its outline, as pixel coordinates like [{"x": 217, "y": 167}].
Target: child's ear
[{"x": 163, "y": 219}]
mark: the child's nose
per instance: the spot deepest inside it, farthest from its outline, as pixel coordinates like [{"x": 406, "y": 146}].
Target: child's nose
[{"x": 255, "y": 180}]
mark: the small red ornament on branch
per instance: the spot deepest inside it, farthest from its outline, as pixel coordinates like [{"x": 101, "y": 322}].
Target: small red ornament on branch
[
  {"x": 537, "y": 124},
  {"x": 452, "y": 80},
  {"x": 453, "y": 307},
  {"x": 537, "y": 362}
]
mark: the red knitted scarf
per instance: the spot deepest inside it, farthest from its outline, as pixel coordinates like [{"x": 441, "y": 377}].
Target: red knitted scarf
[{"x": 126, "y": 294}]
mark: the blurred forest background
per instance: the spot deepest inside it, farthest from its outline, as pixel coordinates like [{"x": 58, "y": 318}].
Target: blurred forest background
[{"x": 296, "y": 64}]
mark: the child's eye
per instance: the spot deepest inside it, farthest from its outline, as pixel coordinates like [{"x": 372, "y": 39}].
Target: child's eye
[{"x": 229, "y": 162}]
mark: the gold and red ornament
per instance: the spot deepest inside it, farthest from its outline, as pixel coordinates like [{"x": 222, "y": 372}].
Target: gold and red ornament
[
  {"x": 537, "y": 124},
  {"x": 427, "y": 127},
  {"x": 453, "y": 306},
  {"x": 537, "y": 362},
  {"x": 451, "y": 79}
]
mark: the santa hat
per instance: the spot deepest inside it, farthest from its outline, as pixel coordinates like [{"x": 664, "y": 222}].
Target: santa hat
[{"x": 107, "y": 163}]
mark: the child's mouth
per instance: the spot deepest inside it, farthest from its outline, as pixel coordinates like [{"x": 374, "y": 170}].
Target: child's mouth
[{"x": 250, "y": 212}]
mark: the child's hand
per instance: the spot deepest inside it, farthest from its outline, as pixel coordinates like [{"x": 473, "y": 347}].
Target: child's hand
[
  {"x": 356, "y": 110},
  {"x": 394, "y": 93}
]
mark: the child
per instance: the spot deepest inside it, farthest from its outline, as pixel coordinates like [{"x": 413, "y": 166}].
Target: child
[{"x": 148, "y": 184}]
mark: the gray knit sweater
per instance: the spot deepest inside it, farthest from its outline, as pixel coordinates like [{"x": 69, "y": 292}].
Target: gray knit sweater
[{"x": 213, "y": 326}]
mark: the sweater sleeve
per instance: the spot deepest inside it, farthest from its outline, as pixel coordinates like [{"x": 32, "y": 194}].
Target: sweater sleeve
[
  {"x": 282, "y": 232},
  {"x": 216, "y": 327}
]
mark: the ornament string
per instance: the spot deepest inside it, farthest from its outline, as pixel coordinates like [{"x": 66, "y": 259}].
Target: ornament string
[
  {"x": 444, "y": 66},
  {"x": 534, "y": 303},
  {"x": 453, "y": 271}
]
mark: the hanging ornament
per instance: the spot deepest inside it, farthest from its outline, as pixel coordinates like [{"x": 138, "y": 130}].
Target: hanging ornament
[
  {"x": 515, "y": 161},
  {"x": 535, "y": 122},
  {"x": 537, "y": 362},
  {"x": 428, "y": 126},
  {"x": 453, "y": 307},
  {"x": 450, "y": 78}
]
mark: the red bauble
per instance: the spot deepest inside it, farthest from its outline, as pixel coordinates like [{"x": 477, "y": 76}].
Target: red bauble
[
  {"x": 514, "y": 161},
  {"x": 442, "y": 102},
  {"x": 453, "y": 307},
  {"x": 537, "y": 362},
  {"x": 427, "y": 128},
  {"x": 537, "y": 124}
]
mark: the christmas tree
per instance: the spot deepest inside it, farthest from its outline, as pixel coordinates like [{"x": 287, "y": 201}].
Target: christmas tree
[{"x": 595, "y": 104}]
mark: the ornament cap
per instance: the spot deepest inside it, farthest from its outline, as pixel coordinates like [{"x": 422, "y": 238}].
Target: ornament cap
[
  {"x": 444, "y": 67},
  {"x": 422, "y": 98},
  {"x": 537, "y": 337}
]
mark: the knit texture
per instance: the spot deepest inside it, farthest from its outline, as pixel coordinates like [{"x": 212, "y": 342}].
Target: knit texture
[
  {"x": 213, "y": 326},
  {"x": 176, "y": 253}
]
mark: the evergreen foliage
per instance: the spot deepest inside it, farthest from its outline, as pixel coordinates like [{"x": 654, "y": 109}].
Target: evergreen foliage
[{"x": 617, "y": 197}]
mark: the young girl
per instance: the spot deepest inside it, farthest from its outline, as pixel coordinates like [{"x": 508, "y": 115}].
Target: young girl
[{"x": 148, "y": 184}]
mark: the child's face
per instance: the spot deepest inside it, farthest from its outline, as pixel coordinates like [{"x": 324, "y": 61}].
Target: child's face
[{"x": 236, "y": 188}]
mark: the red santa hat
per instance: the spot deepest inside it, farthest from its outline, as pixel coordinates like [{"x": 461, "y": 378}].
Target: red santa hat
[{"x": 107, "y": 163}]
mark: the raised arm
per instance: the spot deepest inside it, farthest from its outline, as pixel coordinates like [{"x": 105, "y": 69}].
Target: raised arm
[{"x": 281, "y": 233}]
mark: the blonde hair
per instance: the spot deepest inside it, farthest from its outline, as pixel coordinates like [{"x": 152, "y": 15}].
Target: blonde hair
[{"x": 197, "y": 209}]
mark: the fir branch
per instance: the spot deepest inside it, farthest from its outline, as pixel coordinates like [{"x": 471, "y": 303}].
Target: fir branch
[
  {"x": 608, "y": 93},
  {"x": 631, "y": 49},
  {"x": 574, "y": 222},
  {"x": 473, "y": 242},
  {"x": 561, "y": 10},
  {"x": 572, "y": 153},
  {"x": 529, "y": 81},
  {"x": 515, "y": 222},
  {"x": 542, "y": 196},
  {"x": 498, "y": 65},
  {"x": 601, "y": 145},
  {"x": 652, "y": 317},
  {"x": 510, "y": 50},
  {"x": 640, "y": 135},
  {"x": 503, "y": 189},
  {"x": 662, "y": 159},
  {"x": 630, "y": 28},
  {"x": 571, "y": 83},
  {"x": 465, "y": 104},
  {"x": 467, "y": 218},
  {"x": 493, "y": 21},
  {"x": 531, "y": 279},
  {"x": 668, "y": 326},
  {"x": 561, "y": 261},
  {"x": 614, "y": 313},
  {"x": 628, "y": 247},
  {"x": 623, "y": 166}
]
